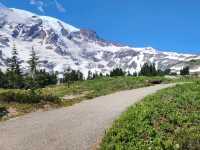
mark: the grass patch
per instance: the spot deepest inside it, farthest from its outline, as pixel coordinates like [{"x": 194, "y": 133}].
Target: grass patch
[
  {"x": 167, "y": 120},
  {"x": 103, "y": 86}
]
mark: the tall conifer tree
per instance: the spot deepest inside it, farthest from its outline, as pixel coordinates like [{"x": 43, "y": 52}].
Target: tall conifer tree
[
  {"x": 33, "y": 62},
  {"x": 15, "y": 79}
]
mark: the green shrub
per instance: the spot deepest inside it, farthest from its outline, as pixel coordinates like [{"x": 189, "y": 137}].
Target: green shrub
[
  {"x": 50, "y": 98},
  {"x": 168, "y": 120},
  {"x": 188, "y": 138},
  {"x": 26, "y": 96},
  {"x": 20, "y": 96}
]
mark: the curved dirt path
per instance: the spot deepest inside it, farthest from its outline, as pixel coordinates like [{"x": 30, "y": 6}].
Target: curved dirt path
[{"x": 73, "y": 128}]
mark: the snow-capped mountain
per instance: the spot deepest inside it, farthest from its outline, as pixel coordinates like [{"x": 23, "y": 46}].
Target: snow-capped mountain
[{"x": 60, "y": 45}]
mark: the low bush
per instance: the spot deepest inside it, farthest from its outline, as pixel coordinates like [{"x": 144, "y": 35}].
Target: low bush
[
  {"x": 26, "y": 96},
  {"x": 49, "y": 97},
  {"x": 188, "y": 138},
  {"x": 168, "y": 120}
]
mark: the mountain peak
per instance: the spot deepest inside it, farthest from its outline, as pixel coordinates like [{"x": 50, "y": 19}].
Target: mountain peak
[{"x": 60, "y": 45}]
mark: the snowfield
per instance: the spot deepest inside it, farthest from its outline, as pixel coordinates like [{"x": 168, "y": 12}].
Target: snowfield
[{"x": 60, "y": 45}]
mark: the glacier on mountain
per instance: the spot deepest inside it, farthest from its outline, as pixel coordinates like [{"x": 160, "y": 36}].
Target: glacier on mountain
[{"x": 60, "y": 45}]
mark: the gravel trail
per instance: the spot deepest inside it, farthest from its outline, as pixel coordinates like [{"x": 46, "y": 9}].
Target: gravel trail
[{"x": 77, "y": 127}]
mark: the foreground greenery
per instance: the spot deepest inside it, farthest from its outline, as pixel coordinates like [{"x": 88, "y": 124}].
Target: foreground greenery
[{"x": 168, "y": 120}]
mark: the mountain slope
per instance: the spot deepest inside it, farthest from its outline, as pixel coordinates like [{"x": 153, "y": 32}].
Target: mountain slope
[{"x": 60, "y": 45}]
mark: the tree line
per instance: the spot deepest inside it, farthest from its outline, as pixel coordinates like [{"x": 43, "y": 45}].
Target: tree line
[
  {"x": 15, "y": 78},
  {"x": 148, "y": 69}
]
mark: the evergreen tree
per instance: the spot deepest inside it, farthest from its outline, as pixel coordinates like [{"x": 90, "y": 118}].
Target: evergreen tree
[
  {"x": 15, "y": 78},
  {"x": 90, "y": 75},
  {"x": 33, "y": 63},
  {"x": 75, "y": 75},
  {"x": 71, "y": 76},
  {"x": 80, "y": 75},
  {"x": 148, "y": 70},
  {"x": 13, "y": 62},
  {"x": 101, "y": 74},
  {"x": 167, "y": 71},
  {"x": 3, "y": 80},
  {"x": 129, "y": 74},
  {"x": 185, "y": 71},
  {"x": 107, "y": 75},
  {"x": 31, "y": 82},
  {"x": 117, "y": 72},
  {"x": 44, "y": 78},
  {"x": 67, "y": 76},
  {"x": 135, "y": 74},
  {"x": 95, "y": 75}
]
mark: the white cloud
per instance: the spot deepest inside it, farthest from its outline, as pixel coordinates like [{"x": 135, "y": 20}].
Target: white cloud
[
  {"x": 41, "y": 4},
  {"x": 41, "y": 9},
  {"x": 59, "y": 6}
]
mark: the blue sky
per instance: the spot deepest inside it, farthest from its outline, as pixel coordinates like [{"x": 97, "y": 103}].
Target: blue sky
[{"x": 164, "y": 24}]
